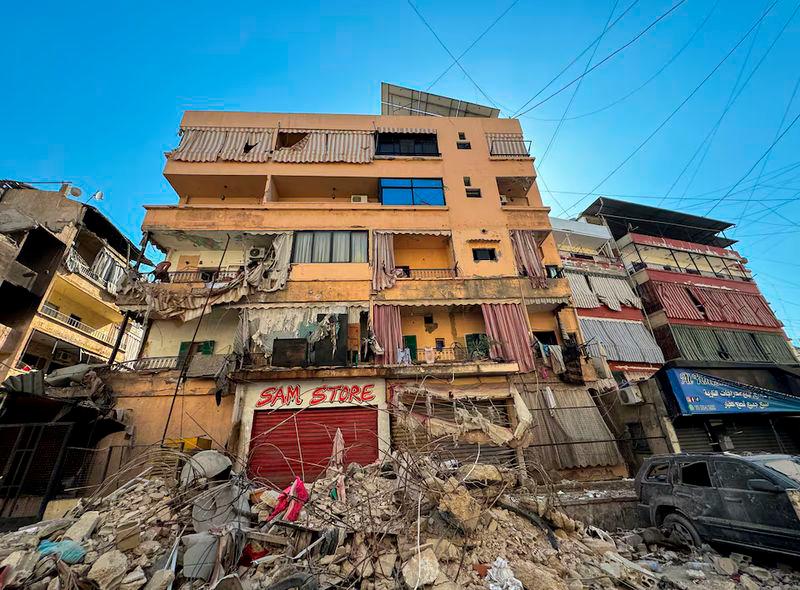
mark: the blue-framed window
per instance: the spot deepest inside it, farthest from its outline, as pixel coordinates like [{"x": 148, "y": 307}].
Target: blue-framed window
[{"x": 412, "y": 191}]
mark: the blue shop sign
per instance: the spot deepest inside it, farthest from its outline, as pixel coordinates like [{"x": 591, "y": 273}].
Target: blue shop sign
[{"x": 697, "y": 393}]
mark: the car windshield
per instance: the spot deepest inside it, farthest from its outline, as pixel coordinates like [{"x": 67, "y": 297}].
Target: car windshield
[{"x": 789, "y": 467}]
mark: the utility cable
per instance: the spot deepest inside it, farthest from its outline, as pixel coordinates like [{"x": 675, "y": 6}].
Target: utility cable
[
  {"x": 578, "y": 87},
  {"x": 669, "y": 62},
  {"x": 473, "y": 44},
  {"x": 711, "y": 135},
  {"x": 664, "y": 15},
  {"x": 675, "y": 110}
]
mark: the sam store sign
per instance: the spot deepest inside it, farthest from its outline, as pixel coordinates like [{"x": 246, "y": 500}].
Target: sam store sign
[{"x": 305, "y": 394}]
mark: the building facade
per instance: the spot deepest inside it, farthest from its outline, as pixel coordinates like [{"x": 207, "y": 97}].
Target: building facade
[
  {"x": 383, "y": 275},
  {"x": 60, "y": 264},
  {"x": 730, "y": 381}
]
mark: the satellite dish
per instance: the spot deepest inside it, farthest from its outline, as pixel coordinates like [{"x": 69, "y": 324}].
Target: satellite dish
[
  {"x": 98, "y": 196},
  {"x": 75, "y": 191}
]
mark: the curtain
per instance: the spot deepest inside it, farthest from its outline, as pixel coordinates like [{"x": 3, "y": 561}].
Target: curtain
[
  {"x": 303, "y": 241},
  {"x": 526, "y": 255},
  {"x": 341, "y": 246},
  {"x": 322, "y": 247},
  {"x": 383, "y": 275},
  {"x": 359, "y": 244},
  {"x": 614, "y": 292},
  {"x": 388, "y": 331},
  {"x": 581, "y": 293},
  {"x": 508, "y": 333}
]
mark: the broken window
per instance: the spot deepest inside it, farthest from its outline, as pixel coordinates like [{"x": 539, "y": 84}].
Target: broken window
[
  {"x": 484, "y": 254},
  {"x": 407, "y": 144},
  {"x": 695, "y": 474},
  {"x": 330, "y": 246},
  {"x": 735, "y": 475},
  {"x": 658, "y": 472}
]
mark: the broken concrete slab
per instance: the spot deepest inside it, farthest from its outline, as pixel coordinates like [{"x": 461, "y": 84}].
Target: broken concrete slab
[
  {"x": 84, "y": 527},
  {"x": 422, "y": 569},
  {"x": 460, "y": 507},
  {"x": 724, "y": 566},
  {"x": 109, "y": 570},
  {"x": 161, "y": 580},
  {"x": 134, "y": 580}
]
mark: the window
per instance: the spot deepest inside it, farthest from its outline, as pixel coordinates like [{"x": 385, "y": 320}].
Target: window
[
  {"x": 484, "y": 254},
  {"x": 462, "y": 136},
  {"x": 412, "y": 191},
  {"x": 428, "y": 319},
  {"x": 440, "y": 344},
  {"x": 188, "y": 349},
  {"x": 554, "y": 271},
  {"x": 734, "y": 475},
  {"x": 474, "y": 193},
  {"x": 464, "y": 145},
  {"x": 467, "y": 181},
  {"x": 330, "y": 246},
  {"x": 695, "y": 474},
  {"x": 407, "y": 144},
  {"x": 546, "y": 337},
  {"x": 658, "y": 472}
]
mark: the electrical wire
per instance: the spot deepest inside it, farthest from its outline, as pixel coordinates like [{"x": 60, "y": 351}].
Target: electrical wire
[
  {"x": 625, "y": 97},
  {"x": 473, "y": 44},
  {"x": 641, "y": 33},
  {"x": 577, "y": 87},
  {"x": 676, "y": 109}
]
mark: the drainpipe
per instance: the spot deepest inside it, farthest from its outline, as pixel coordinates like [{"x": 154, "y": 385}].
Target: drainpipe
[{"x": 127, "y": 315}]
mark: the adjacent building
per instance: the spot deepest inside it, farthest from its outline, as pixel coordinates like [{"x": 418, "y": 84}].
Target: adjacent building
[
  {"x": 61, "y": 262},
  {"x": 391, "y": 276},
  {"x": 731, "y": 378}
]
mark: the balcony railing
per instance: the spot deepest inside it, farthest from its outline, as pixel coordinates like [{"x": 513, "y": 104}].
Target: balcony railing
[
  {"x": 449, "y": 354},
  {"x": 637, "y": 266},
  {"x": 153, "y": 363},
  {"x": 195, "y": 276},
  {"x": 107, "y": 334},
  {"x": 426, "y": 273}
]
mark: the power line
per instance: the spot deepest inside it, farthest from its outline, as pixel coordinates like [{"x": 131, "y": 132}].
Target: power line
[
  {"x": 676, "y": 109},
  {"x": 453, "y": 57},
  {"x": 764, "y": 155},
  {"x": 473, "y": 44},
  {"x": 578, "y": 87},
  {"x": 520, "y": 112},
  {"x": 669, "y": 62},
  {"x": 708, "y": 140}
]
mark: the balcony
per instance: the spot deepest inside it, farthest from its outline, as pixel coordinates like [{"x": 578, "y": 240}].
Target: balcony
[
  {"x": 426, "y": 273},
  {"x": 106, "y": 334}
]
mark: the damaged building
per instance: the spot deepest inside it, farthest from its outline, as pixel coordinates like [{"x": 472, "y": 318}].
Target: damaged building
[
  {"x": 392, "y": 276},
  {"x": 61, "y": 263}
]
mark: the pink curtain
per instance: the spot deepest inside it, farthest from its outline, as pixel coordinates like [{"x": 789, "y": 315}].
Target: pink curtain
[
  {"x": 383, "y": 275},
  {"x": 526, "y": 254},
  {"x": 508, "y": 333},
  {"x": 388, "y": 331}
]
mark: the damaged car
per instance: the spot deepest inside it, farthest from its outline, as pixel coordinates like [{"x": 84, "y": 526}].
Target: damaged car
[{"x": 748, "y": 501}]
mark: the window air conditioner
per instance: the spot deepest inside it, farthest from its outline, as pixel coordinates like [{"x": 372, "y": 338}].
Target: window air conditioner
[
  {"x": 503, "y": 200},
  {"x": 359, "y": 198},
  {"x": 630, "y": 395},
  {"x": 257, "y": 253}
]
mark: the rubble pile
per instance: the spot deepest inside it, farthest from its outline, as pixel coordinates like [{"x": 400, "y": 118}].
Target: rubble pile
[{"x": 408, "y": 522}]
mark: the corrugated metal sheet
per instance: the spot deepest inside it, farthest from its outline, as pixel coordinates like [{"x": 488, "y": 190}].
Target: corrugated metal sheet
[
  {"x": 507, "y": 144},
  {"x": 623, "y": 340},
  {"x": 753, "y": 436},
  {"x": 355, "y": 147},
  {"x": 614, "y": 292},
  {"x": 706, "y": 344},
  {"x": 200, "y": 144},
  {"x": 673, "y": 299},
  {"x": 692, "y": 437},
  {"x": 572, "y": 433},
  {"x": 724, "y": 305},
  {"x": 581, "y": 293},
  {"x": 237, "y": 139},
  {"x": 289, "y": 443},
  {"x": 406, "y": 130}
]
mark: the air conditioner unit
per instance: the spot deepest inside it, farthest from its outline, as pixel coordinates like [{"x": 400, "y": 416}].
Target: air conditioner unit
[
  {"x": 630, "y": 395},
  {"x": 256, "y": 253},
  {"x": 359, "y": 198},
  {"x": 503, "y": 200}
]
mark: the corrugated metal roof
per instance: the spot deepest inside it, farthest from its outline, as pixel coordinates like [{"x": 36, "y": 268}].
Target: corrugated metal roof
[
  {"x": 200, "y": 144},
  {"x": 259, "y": 141},
  {"x": 355, "y": 147}
]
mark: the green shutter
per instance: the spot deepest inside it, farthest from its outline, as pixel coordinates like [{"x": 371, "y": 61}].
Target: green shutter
[
  {"x": 206, "y": 347},
  {"x": 184, "y": 349}
]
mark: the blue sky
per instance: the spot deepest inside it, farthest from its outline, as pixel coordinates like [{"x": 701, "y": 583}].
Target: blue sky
[{"x": 94, "y": 93}]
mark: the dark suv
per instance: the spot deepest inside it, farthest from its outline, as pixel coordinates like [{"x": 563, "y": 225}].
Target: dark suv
[{"x": 751, "y": 501}]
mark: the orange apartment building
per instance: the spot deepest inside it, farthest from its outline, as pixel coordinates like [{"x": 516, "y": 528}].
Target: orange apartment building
[{"x": 387, "y": 275}]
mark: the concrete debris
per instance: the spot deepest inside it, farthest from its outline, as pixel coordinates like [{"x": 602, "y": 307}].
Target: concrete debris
[{"x": 407, "y": 522}]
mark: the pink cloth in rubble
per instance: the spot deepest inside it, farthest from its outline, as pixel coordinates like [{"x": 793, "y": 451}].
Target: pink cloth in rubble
[{"x": 294, "y": 498}]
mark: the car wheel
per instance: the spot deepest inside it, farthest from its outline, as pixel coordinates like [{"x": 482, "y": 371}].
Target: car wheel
[{"x": 680, "y": 529}]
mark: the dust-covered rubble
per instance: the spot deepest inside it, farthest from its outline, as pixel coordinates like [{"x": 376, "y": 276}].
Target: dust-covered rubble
[{"x": 407, "y": 522}]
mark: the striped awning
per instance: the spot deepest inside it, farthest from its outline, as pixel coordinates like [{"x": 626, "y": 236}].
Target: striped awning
[
  {"x": 247, "y": 145},
  {"x": 406, "y": 130},
  {"x": 507, "y": 145},
  {"x": 415, "y": 232},
  {"x": 200, "y": 144},
  {"x": 355, "y": 147}
]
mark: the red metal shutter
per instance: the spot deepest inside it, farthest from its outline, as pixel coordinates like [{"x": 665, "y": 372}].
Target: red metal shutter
[{"x": 285, "y": 443}]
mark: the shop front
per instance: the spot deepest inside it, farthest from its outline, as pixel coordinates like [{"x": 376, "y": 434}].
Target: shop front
[
  {"x": 722, "y": 409},
  {"x": 288, "y": 427}
]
